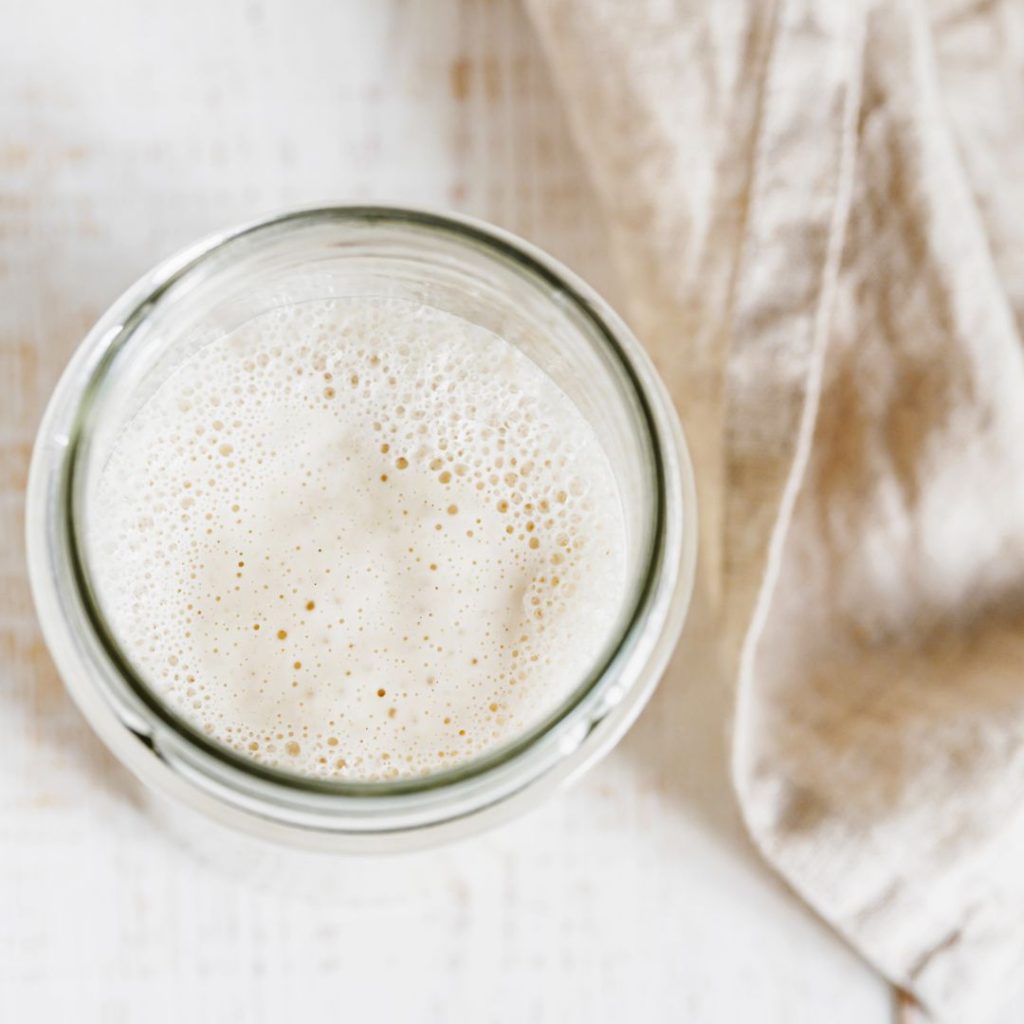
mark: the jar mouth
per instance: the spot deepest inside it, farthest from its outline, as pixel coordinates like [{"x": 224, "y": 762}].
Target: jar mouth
[{"x": 664, "y": 581}]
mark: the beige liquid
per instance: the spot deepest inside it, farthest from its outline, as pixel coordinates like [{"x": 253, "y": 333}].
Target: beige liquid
[{"x": 360, "y": 539}]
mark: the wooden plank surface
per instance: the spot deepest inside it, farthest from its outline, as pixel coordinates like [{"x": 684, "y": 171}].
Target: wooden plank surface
[{"x": 125, "y": 131}]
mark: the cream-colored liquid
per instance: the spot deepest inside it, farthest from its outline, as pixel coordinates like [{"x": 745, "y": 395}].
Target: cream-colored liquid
[{"x": 360, "y": 539}]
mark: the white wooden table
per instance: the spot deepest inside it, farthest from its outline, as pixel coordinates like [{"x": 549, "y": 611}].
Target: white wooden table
[{"x": 125, "y": 131}]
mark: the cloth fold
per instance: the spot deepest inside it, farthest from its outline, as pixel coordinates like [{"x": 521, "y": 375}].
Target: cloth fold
[{"x": 815, "y": 208}]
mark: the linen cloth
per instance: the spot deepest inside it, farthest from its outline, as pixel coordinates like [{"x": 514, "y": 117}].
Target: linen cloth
[{"x": 817, "y": 208}]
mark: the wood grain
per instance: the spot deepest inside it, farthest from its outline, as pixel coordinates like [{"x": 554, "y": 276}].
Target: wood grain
[{"x": 125, "y": 131}]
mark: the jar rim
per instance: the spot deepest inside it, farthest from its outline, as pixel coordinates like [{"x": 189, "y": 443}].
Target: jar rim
[{"x": 667, "y": 574}]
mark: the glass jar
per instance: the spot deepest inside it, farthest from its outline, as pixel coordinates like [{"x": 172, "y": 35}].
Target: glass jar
[{"x": 457, "y": 265}]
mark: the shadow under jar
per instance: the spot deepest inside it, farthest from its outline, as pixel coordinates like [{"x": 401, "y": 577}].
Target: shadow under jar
[{"x": 463, "y": 268}]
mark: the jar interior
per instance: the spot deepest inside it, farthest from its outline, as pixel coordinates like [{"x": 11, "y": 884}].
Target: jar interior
[{"x": 452, "y": 268}]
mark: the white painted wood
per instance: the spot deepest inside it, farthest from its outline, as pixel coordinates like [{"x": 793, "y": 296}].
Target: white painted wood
[{"x": 125, "y": 131}]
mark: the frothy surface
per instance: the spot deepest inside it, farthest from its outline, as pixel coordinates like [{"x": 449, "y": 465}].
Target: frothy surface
[{"x": 360, "y": 539}]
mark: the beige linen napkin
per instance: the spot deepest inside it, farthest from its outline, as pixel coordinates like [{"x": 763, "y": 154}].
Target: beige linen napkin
[{"x": 818, "y": 211}]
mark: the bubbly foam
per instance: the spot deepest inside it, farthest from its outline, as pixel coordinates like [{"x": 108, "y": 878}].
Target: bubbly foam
[{"x": 359, "y": 539}]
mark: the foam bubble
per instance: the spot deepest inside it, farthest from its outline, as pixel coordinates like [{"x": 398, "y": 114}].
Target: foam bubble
[{"x": 360, "y": 539}]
